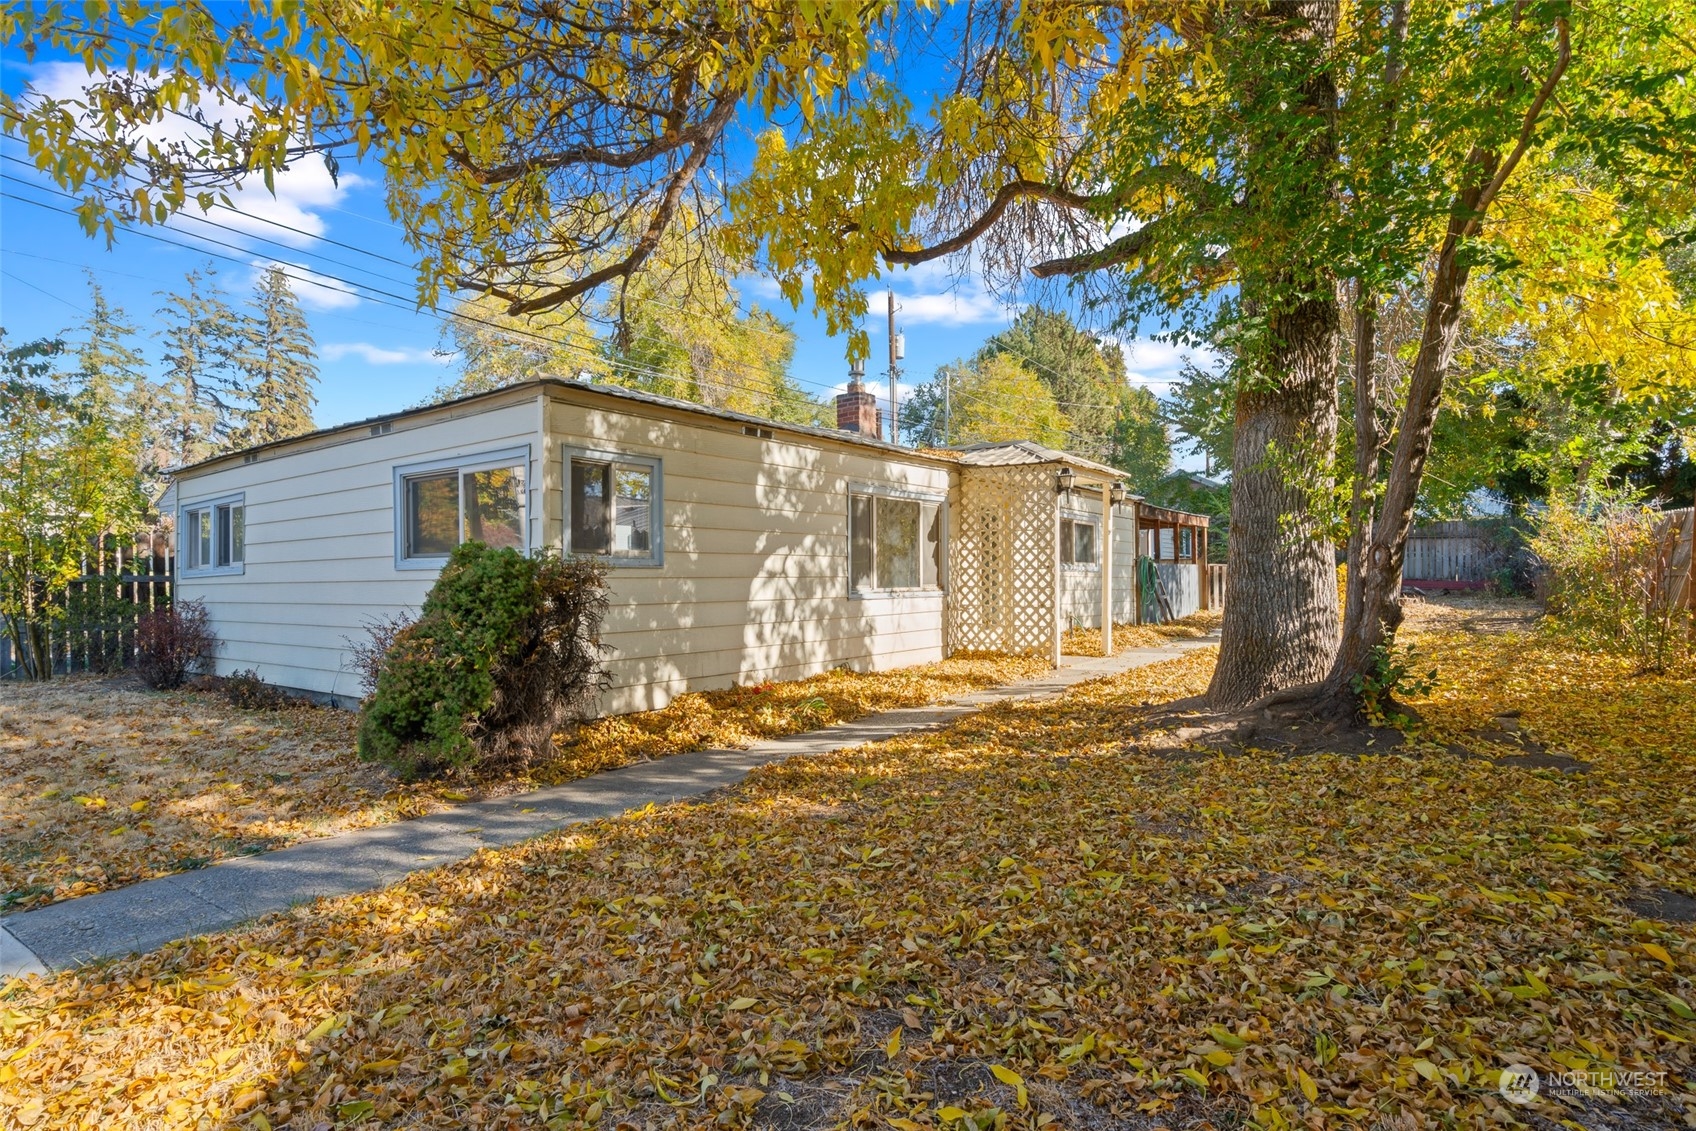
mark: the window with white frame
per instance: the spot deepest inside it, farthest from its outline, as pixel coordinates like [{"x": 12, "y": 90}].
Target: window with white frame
[
  {"x": 894, "y": 543},
  {"x": 1077, "y": 541},
  {"x": 212, "y": 536},
  {"x": 479, "y": 499},
  {"x": 614, "y": 508}
]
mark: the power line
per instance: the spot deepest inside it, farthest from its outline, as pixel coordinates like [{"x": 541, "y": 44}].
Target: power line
[
  {"x": 42, "y": 290},
  {"x": 402, "y": 304}
]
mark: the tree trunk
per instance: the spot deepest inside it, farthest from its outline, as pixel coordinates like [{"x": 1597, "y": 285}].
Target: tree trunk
[
  {"x": 1280, "y": 626},
  {"x": 1374, "y": 612}
]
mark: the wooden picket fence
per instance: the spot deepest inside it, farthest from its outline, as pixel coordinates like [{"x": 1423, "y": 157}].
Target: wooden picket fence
[{"x": 118, "y": 586}]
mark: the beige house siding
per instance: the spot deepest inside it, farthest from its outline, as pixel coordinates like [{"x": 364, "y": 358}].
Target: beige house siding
[
  {"x": 753, "y": 584},
  {"x": 320, "y": 525},
  {"x": 1080, "y": 586}
]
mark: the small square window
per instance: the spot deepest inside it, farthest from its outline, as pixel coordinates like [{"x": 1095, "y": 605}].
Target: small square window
[
  {"x": 1077, "y": 542},
  {"x": 894, "y": 543},
  {"x": 614, "y": 508}
]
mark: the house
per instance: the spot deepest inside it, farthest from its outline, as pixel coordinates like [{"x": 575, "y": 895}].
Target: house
[{"x": 741, "y": 549}]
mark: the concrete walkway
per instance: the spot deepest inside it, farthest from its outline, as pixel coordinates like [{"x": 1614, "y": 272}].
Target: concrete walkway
[{"x": 146, "y": 915}]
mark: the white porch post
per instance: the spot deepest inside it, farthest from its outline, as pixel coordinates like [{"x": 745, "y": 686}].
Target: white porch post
[
  {"x": 1054, "y": 566},
  {"x": 1106, "y": 556}
]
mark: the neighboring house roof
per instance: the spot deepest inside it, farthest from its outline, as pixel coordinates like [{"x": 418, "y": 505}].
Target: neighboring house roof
[
  {"x": 1013, "y": 453},
  {"x": 1195, "y": 478}
]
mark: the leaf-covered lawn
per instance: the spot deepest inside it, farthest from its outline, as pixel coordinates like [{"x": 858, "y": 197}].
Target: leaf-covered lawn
[
  {"x": 1087, "y": 641},
  {"x": 1020, "y": 921},
  {"x": 103, "y": 783}
]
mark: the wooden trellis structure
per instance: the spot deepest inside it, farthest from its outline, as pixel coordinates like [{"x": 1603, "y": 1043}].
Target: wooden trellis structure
[{"x": 1003, "y": 560}]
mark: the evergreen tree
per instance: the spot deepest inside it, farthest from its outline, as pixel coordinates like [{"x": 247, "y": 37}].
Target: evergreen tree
[
  {"x": 201, "y": 396},
  {"x": 111, "y": 374},
  {"x": 279, "y": 361}
]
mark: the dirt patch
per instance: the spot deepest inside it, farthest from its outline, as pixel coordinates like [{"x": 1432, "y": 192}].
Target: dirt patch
[{"x": 1663, "y": 903}]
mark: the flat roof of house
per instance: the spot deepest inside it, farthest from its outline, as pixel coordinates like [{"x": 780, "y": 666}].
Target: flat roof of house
[{"x": 1003, "y": 454}]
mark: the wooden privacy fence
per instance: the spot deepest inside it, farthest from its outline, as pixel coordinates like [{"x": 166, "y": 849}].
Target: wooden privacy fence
[
  {"x": 1446, "y": 552},
  {"x": 118, "y": 586},
  {"x": 1681, "y": 558}
]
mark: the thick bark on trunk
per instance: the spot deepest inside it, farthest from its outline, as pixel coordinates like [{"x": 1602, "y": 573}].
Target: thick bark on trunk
[{"x": 1280, "y": 625}]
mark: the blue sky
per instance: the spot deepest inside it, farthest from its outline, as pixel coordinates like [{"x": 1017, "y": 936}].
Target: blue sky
[{"x": 353, "y": 274}]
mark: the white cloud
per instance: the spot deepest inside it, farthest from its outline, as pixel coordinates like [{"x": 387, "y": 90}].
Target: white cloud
[
  {"x": 383, "y": 355},
  {"x": 315, "y": 291},
  {"x": 878, "y": 388},
  {"x": 302, "y": 191},
  {"x": 965, "y": 305},
  {"x": 1155, "y": 365}
]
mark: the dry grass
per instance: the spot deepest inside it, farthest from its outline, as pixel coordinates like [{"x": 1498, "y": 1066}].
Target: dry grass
[
  {"x": 104, "y": 783},
  {"x": 1087, "y": 641}
]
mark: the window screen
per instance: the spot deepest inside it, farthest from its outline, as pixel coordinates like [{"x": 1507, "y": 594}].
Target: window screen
[
  {"x": 1083, "y": 536},
  {"x": 494, "y": 507},
  {"x": 897, "y": 541},
  {"x": 860, "y": 553}
]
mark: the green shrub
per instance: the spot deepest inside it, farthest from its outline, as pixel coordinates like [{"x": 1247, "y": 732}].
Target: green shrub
[
  {"x": 1610, "y": 585},
  {"x": 505, "y": 651}
]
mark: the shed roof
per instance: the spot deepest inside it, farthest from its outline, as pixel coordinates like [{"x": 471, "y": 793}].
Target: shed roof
[{"x": 1013, "y": 453}]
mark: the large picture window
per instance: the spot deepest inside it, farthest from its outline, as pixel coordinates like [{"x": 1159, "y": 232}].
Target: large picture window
[
  {"x": 894, "y": 543},
  {"x": 212, "y": 536},
  {"x": 1077, "y": 541},
  {"x": 481, "y": 499},
  {"x": 614, "y": 508}
]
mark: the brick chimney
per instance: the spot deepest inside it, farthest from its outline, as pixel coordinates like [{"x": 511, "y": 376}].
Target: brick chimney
[{"x": 857, "y": 411}]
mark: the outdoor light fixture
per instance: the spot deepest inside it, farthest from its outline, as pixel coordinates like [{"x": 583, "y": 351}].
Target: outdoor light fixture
[
  {"x": 1063, "y": 482},
  {"x": 1117, "y": 494}
]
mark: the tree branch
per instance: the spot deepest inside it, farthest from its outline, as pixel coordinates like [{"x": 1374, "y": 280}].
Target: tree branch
[
  {"x": 1527, "y": 128},
  {"x": 1122, "y": 250},
  {"x": 658, "y": 220},
  {"x": 1008, "y": 193}
]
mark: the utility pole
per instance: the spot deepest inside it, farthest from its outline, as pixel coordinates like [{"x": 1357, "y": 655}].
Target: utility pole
[
  {"x": 896, "y": 352},
  {"x": 947, "y": 406},
  {"x": 894, "y": 407}
]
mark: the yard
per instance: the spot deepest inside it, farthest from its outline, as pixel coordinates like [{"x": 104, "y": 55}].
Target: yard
[
  {"x": 103, "y": 783},
  {"x": 1025, "y": 920}
]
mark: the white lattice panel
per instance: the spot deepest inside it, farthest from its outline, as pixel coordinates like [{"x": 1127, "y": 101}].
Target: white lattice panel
[{"x": 1003, "y": 560}]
